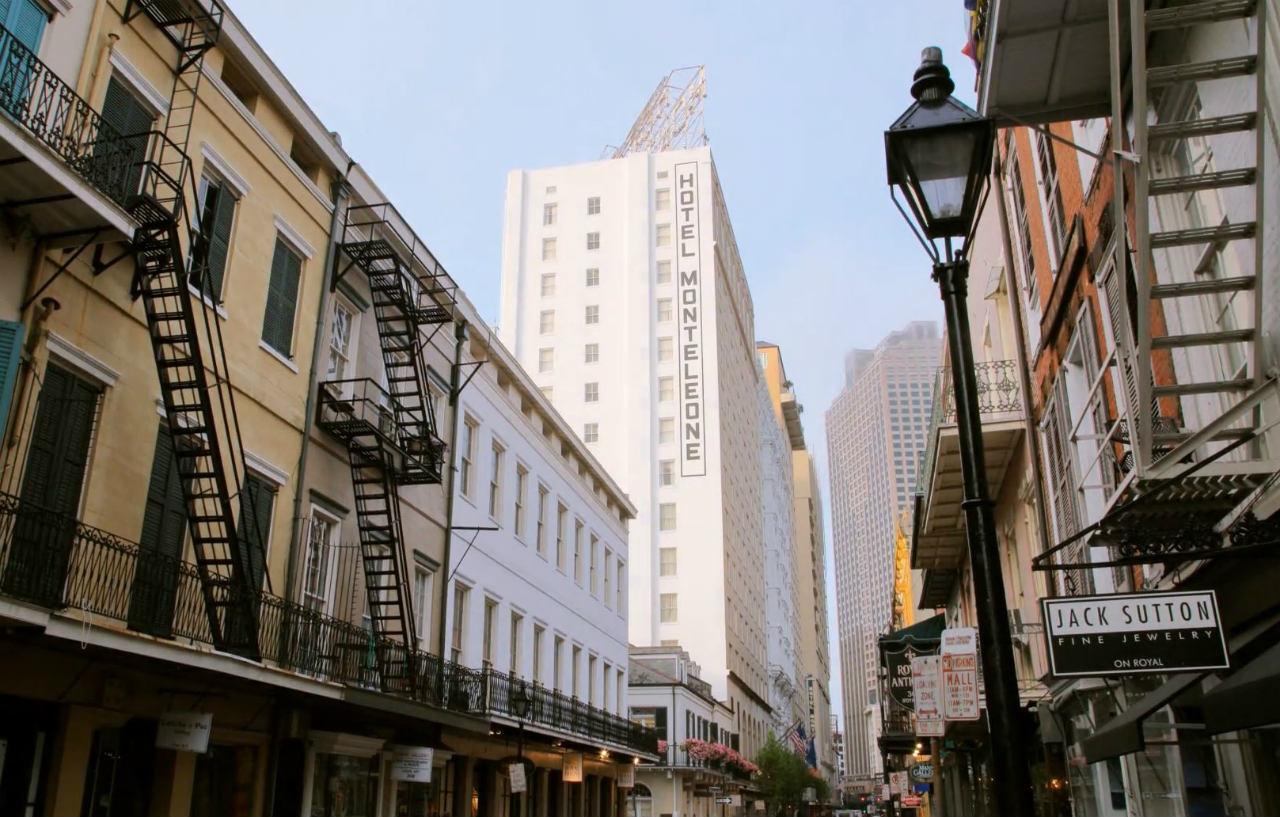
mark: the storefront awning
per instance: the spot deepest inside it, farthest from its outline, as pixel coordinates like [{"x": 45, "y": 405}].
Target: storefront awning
[
  {"x": 1123, "y": 734},
  {"x": 924, "y": 632},
  {"x": 1249, "y": 697}
]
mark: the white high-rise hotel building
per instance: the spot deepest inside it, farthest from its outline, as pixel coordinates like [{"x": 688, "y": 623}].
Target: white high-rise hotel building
[{"x": 623, "y": 294}]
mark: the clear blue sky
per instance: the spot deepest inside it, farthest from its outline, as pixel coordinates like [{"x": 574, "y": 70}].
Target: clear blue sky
[{"x": 438, "y": 100}]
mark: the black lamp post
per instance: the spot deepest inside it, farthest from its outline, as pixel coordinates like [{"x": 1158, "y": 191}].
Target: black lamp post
[
  {"x": 939, "y": 157},
  {"x": 521, "y": 703}
]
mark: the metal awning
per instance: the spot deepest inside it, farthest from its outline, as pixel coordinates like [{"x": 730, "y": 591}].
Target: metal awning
[
  {"x": 1046, "y": 61},
  {"x": 1122, "y": 734},
  {"x": 1249, "y": 697},
  {"x": 936, "y": 588}
]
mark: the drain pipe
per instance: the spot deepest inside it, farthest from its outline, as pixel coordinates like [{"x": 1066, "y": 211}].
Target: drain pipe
[
  {"x": 341, "y": 193},
  {"x": 461, "y": 332},
  {"x": 1024, "y": 362}
]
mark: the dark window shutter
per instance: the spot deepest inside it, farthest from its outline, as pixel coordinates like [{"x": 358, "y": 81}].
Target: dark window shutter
[
  {"x": 224, "y": 209},
  {"x": 120, "y": 152},
  {"x": 10, "y": 356},
  {"x": 254, "y": 528},
  {"x": 282, "y": 298},
  {"x": 163, "y": 529}
]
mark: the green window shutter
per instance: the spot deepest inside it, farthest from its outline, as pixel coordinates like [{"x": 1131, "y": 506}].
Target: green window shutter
[
  {"x": 120, "y": 159},
  {"x": 10, "y": 357},
  {"x": 282, "y": 299},
  {"x": 164, "y": 521},
  {"x": 254, "y": 528},
  {"x": 26, "y": 20},
  {"x": 224, "y": 210}
]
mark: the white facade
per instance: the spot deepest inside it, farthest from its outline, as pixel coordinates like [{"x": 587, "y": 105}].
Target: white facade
[
  {"x": 552, "y": 609},
  {"x": 788, "y": 689},
  {"x": 623, "y": 295},
  {"x": 876, "y": 431}
]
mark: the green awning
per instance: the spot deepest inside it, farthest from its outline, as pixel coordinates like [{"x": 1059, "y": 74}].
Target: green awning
[{"x": 921, "y": 634}]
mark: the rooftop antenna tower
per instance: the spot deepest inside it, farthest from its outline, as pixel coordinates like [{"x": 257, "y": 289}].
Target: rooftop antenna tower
[{"x": 671, "y": 119}]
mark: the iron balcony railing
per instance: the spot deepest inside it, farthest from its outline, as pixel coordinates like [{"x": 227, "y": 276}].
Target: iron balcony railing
[
  {"x": 356, "y": 408},
  {"x": 998, "y": 393},
  {"x": 60, "y": 563}
]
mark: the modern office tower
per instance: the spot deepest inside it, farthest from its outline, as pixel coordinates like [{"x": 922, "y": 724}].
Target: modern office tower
[
  {"x": 876, "y": 431},
  {"x": 623, "y": 294}
]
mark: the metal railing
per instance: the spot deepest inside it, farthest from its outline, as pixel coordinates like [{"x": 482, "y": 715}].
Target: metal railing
[
  {"x": 352, "y": 408},
  {"x": 998, "y": 393},
  {"x": 59, "y": 563}
]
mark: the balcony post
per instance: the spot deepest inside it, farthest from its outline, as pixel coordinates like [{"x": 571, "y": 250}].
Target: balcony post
[{"x": 1009, "y": 751}]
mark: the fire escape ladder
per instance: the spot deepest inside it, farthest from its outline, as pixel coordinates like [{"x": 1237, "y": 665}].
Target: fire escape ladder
[
  {"x": 373, "y": 477},
  {"x": 1197, "y": 274}
]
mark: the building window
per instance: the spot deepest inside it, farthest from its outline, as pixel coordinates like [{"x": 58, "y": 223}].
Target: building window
[
  {"x": 593, "y": 314},
  {"x": 606, "y": 684},
  {"x": 541, "y": 535},
  {"x": 423, "y": 589},
  {"x": 467, "y": 454},
  {"x": 591, "y": 680},
  {"x": 548, "y": 284},
  {"x": 548, "y": 249},
  {"x": 662, "y": 198},
  {"x": 593, "y": 276},
  {"x": 490, "y": 632},
  {"x": 217, "y": 207},
  {"x": 340, "y": 341},
  {"x": 557, "y": 665},
  {"x": 547, "y": 321},
  {"x": 577, "y": 552},
  {"x": 551, "y": 189},
  {"x": 282, "y": 298},
  {"x": 457, "y": 634},
  {"x": 548, "y": 214},
  {"x": 495, "y": 481},
  {"x": 662, "y": 235},
  {"x": 317, "y": 564},
  {"x": 592, "y": 353},
  {"x": 546, "y": 392},
  {"x": 666, "y": 561},
  {"x": 562, "y": 530},
  {"x": 667, "y": 608},
  {"x": 539, "y": 633},
  {"x": 666, "y": 430},
  {"x": 575, "y": 669},
  {"x": 546, "y": 359},
  {"x": 666, "y": 472},
  {"x": 667, "y": 516},
  {"x": 622, "y": 686},
  {"x": 1022, "y": 221},
  {"x": 591, "y": 392},
  {"x": 664, "y": 309},
  {"x": 666, "y": 350},
  {"x": 664, "y": 272},
  {"x": 593, "y": 206},
  {"x": 522, "y": 481},
  {"x": 517, "y": 625},
  {"x": 666, "y": 389},
  {"x": 1052, "y": 194},
  {"x": 593, "y": 241},
  {"x": 590, "y": 432},
  {"x": 595, "y": 555},
  {"x": 620, "y": 586},
  {"x": 608, "y": 584}
]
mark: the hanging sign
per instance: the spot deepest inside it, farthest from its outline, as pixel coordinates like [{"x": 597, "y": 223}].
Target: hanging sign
[
  {"x": 412, "y": 764},
  {"x": 1130, "y": 633},
  {"x": 898, "y": 783},
  {"x": 885, "y": 791},
  {"x": 184, "y": 731},
  {"x": 912, "y": 801},
  {"x": 926, "y": 680},
  {"x": 898, "y": 665},
  {"x": 960, "y": 674},
  {"x": 518, "y": 781},
  {"x": 571, "y": 768},
  {"x": 627, "y": 777}
]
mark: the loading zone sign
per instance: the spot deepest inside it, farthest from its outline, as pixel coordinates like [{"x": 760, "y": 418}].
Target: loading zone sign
[{"x": 1132, "y": 633}]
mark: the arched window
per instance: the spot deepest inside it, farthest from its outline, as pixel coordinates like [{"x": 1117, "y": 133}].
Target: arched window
[{"x": 641, "y": 801}]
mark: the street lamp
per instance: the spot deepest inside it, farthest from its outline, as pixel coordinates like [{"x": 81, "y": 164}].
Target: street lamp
[
  {"x": 521, "y": 703},
  {"x": 939, "y": 156}
]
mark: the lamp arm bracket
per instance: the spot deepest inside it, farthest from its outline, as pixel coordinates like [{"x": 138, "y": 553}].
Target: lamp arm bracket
[{"x": 1073, "y": 145}]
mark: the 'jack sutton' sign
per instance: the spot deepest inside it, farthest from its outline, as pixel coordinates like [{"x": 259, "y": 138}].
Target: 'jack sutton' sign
[
  {"x": 1134, "y": 633},
  {"x": 689, "y": 274}
]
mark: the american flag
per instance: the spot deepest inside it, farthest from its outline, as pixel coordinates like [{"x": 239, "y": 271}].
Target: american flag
[{"x": 797, "y": 739}]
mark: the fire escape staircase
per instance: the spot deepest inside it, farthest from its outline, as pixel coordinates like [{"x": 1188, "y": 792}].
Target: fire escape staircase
[
  {"x": 194, "y": 376},
  {"x": 391, "y": 436}
]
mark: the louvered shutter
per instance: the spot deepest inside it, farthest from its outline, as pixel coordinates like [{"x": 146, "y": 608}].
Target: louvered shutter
[
  {"x": 163, "y": 530},
  {"x": 257, "y": 500},
  {"x": 10, "y": 357},
  {"x": 282, "y": 298},
  {"x": 224, "y": 209},
  {"x": 26, "y": 20},
  {"x": 122, "y": 148}
]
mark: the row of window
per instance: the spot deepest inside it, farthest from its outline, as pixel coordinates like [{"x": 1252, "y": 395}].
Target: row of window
[
  {"x": 551, "y": 210},
  {"x": 550, "y": 246},
  {"x": 603, "y": 575}
]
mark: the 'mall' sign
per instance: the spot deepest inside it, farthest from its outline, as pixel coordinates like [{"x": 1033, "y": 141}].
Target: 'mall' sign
[{"x": 1134, "y": 633}]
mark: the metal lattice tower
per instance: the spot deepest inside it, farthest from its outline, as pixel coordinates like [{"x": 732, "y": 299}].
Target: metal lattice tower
[{"x": 671, "y": 119}]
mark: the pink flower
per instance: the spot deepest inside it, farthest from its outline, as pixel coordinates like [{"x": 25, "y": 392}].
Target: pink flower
[{"x": 662, "y": 746}]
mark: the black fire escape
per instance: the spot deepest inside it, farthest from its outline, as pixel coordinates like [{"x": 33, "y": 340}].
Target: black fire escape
[
  {"x": 194, "y": 381},
  {"x": 391, "y": 433}
]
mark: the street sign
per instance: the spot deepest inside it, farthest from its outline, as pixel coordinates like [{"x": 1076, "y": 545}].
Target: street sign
[
  {"x": 724, "y": 801},
  {"x": 184, "y": 731},
  {"x": 912, "y": 801},
  {"x": 960, "y": 674},
  {"x": 926, "y": 677},
  {"x": 922, "y": 771},
  {"x": 898, "y": 783},
  {"x": 571, "y": 768},
  {"x": 412, "y": 763},
  {"x": 518, "y": 778},
  {"x": 1132, "y": 633}
]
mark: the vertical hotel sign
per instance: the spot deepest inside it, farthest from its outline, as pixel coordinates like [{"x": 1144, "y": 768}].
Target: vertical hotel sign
[{"x": 689, "y": 274}]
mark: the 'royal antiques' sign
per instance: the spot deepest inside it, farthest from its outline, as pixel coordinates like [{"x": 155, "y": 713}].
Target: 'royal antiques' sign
[
  {"x": 901, "y": 688},
  {"x": 926, "y": 680},
  {"x": 960, "y": 674},
  {"x": 1134, "y": 633}
]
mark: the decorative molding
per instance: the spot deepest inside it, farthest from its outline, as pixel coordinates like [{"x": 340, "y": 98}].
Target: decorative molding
[
  {"x": 220, "y": 166},
  {"x": 294, "y": 237},
  {"x": 272, "y": 472},
  {"x": 75, "y": 357},
  {"x": 57, "y": 6},
  {"x": 329, "y": 506},
  {"x": 158, "y": 102}
]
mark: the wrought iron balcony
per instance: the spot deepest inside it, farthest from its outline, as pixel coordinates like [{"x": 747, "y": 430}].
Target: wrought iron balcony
[
  {"x": 398, "y": 263},
  {"x": 356, "y": 410},
  {"x": 557, "y": 711},
  {"x": 939, "y": 537}
]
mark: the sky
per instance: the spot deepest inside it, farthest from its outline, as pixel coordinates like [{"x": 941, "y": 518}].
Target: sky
[{"x": 437, "y": 101}]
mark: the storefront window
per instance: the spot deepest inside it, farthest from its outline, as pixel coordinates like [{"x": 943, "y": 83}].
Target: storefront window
[
  {"x": 223, "y": 784},
  {"x": 344, "y": 786}
]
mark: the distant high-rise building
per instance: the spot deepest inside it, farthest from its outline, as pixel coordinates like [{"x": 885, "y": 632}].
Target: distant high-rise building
[
  {"x": 623, "y": 294},
  {"x": 876, "y": 431}
]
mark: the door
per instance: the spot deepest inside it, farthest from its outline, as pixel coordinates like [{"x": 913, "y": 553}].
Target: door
[
  {"x": 26, "y": 728},
  {"x": 45, "y": 531},
  {"x": 121, "y": 770},
  {"x": 164, "y": 525},
  {"x": 24, "y": 23}
]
